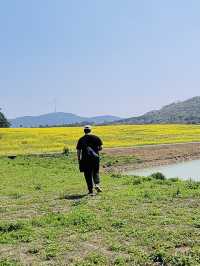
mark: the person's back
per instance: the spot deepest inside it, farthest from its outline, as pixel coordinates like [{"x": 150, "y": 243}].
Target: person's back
[
  {"x": 88, "y": 148},
  {"x": 89, "y": 140}
]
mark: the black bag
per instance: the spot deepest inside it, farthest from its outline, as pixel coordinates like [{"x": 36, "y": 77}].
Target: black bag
[{"x": 91, "y": 154}]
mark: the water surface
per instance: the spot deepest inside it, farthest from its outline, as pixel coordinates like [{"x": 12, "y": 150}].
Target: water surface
[{"x": 183, "y": 170}]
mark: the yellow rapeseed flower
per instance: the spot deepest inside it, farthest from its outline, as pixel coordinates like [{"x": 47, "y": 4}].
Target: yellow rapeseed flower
[{"x": 45, "y": 140}]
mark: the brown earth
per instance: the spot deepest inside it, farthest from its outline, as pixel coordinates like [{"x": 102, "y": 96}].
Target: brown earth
[{"x": 156, "y": 155}]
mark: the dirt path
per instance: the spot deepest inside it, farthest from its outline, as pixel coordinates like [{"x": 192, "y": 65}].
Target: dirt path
[
  {"x": 149, "y": 155},
  {"x": 155, "y": 155}
]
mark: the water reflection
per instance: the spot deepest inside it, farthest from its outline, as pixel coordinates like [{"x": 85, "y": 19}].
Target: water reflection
[{"x": 184, "y": 170}]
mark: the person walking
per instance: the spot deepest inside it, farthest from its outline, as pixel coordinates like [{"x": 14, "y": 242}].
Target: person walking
[{"x": 88, "y": 148}]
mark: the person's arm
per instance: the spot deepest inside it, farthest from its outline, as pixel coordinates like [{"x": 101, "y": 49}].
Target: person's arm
[
  {"x": 79, "y": 148},
  {"x": 79, "y": 155},
  {"x": 100, "y": 148},
  {"x": 100, "y": 145}
]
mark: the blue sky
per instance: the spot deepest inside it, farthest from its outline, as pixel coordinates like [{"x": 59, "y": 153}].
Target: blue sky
[{"x": 97, "y": 56}]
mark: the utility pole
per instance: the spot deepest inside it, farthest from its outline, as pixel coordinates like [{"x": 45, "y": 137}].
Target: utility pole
[{"x": 55, "y": 105}]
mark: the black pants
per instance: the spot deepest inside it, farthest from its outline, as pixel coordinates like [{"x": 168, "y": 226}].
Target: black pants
[{"x": 92, "y": 177}]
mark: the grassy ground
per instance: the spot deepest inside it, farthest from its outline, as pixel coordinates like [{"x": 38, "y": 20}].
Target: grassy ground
[
  {"x": 46, "y": 218},
  {"x": 40, "y": 140}
]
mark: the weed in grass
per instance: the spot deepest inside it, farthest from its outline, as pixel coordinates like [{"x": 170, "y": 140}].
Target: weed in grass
[
  {"x": 177, "y": 193},
  {"x": 38, "y": 187},
  {"x": 3, "y": 209},
  {"x": 120, "y": 261},
  {"x": 118, "y": 224},
  {"x": 15, "y": 233},
  {"x": 51, "y": 251},
  {"x": 116, "y": 175},
  {"x": 84, "y": 221},
  {"x": 130, "y": 260},
  {"x": 196, "y": 224},
  {"x": 137, "y": 181},
  {"x": 173, "y": 179},
  {"x": 15, "y": 195},
  {"x": 192, "y": 184},
  {"x": 33, "y": 250},
  {"x": 147, "y": 195},
  {"x": 9, "y": 227},
  {"x": 159, "y": 256},
  {"x": 66, "y": 151},
  {"x": 92, "y": 259},
  {"x": 181, "y": 260},
  {"x": 9, "y": 262},
  {"x": 117, "y": 247}
]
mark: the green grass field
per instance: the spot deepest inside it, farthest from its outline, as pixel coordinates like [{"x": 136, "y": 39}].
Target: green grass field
[{"x": 46, "y": 218}]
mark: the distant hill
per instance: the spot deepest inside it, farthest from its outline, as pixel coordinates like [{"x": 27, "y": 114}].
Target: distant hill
[
  {"x": 186, "y": 112},
  {"x": 59, "y": 118}
]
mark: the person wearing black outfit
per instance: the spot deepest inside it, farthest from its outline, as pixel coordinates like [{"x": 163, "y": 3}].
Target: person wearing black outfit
[{"x": 88, "y": 148}]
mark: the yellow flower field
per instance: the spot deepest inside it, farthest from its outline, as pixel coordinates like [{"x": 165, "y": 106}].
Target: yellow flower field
[{"x": 44, "y": 140}]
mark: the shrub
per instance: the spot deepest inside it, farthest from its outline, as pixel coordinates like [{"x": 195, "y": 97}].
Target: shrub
[
  {"x": 66, "y": 151},
  {"x": 192, "y": 184},
  {"x": 137, "y": 181},
  {"x": 116, "y": 176},
  {"x": 158, "y": 175},
  {"x": 10, "y": 227},
  {"x": 174, "y": 179}
]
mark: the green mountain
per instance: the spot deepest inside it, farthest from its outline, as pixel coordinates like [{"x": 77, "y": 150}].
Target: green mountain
[
  {"x": 59, "y": 118},
  {"x": 186, "y": 112},
  {"x": 3, "y": 121}
]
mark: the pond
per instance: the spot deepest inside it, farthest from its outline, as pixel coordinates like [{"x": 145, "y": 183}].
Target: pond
[{"x": 183, "y": 170}]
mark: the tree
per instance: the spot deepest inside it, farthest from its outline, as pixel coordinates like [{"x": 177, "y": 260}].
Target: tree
[{"x": 3, "y": 121}]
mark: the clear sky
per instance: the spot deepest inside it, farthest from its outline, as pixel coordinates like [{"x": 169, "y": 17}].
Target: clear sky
[{"x": 97, "y": 56}]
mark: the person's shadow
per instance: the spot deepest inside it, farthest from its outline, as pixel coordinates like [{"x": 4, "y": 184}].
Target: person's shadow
[{"x": 74, "y": 197}]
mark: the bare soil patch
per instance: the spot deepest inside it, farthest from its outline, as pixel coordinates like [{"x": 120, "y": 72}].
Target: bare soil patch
[{"x": 156, "y": 155}]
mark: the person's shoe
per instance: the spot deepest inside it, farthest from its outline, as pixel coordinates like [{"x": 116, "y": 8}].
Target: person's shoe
[{"x": 98, "y": 189}]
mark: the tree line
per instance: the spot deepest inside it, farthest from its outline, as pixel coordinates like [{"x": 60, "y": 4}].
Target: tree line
[{"x": 3, "y": 121}]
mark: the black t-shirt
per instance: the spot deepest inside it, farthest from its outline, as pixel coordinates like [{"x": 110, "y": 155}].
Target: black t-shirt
[{"x": 89, "y": 140}]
